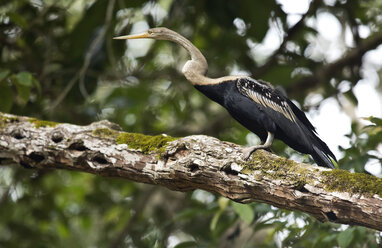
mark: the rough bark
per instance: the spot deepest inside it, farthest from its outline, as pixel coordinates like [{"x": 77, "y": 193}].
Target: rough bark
[{"x": 193, "y": 162}]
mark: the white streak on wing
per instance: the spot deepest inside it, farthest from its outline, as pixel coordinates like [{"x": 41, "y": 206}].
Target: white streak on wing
[
  {"x": 257, "y": 98},
  {"x": 291, "y": 113},
  {"x": 252, "y": 95},
  {"x": 287, "y": 114},
  {"x": 288, "y": 111},
  {"x": 279, "y": 109},
  {"x": 283, "y": 108},
  {"x": 262, "y": 100},
  {"x": 273, "y": 105}
]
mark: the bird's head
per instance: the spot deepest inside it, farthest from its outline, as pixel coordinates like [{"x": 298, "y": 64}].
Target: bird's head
[
  {"x": 153, "y": 33},
  {"x": 194, "y": 69}
]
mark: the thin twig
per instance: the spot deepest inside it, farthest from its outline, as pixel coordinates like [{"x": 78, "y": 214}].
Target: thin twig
[
  {"x": 324, "y": 73},
  {"x": 257, "y": 72},
  {"x": 80, "y": 75},
  {"x": 93, "y": 47}
]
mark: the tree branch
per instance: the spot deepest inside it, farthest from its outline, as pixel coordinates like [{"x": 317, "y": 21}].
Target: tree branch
[
  {"x": 193, "y": 162},
  {"x": 289, "y": 35},
  {"x": 324, "y": 73}
]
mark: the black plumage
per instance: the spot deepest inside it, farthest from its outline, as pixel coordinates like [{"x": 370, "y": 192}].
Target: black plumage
[
  {"x": 261, "y": 108},
  {"x": 254, "y": 103}
]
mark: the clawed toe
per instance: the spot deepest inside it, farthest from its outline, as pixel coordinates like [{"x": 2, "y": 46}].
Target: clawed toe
[{"x": 247, "y": 152}]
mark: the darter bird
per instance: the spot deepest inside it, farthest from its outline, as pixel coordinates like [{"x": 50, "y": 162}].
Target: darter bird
[{"x": 255, "y": 104}]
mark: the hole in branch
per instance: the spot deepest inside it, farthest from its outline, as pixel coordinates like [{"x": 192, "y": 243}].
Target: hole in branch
[
  {"x": 99, "y": 158},
  {"x": 37, "y": 157},
  {"x": 228, "y": 170},
  {"x": 194, "y": 167},
  {"x": 303, "y": 189},
  {"x": 18, "y": 134},
  {"x": 57, "y": 137},
  {"x": 78, "y": 146},
  {"x": 331, "y": 216},
  {"x": 300, "y": 186}
]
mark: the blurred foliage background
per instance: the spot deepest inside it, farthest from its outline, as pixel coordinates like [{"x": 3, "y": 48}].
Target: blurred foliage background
[{"x": 58, "y": 62}]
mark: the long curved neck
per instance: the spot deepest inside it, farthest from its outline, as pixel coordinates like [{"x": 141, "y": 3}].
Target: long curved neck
[{"x": 196, "y": 68}]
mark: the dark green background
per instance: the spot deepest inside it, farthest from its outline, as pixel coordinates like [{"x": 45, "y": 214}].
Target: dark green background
[{"x": 49, "y": 46}]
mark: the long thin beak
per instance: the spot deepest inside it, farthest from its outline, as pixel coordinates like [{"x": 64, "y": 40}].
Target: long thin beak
[{"x": 133, "y": 36}]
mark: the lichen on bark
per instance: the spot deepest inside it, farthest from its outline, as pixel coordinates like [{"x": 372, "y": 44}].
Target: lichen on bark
[
  {"x": 356, "y": 183},
  {"x": 277, "y": 168},
  {"x": 5, "y": 120},
  {"x": 145, "y": 143},
  {"x": 40, "y": 123}
]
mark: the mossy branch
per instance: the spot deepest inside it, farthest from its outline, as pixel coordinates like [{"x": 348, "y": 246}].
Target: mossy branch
[{"x": 193, "y": 162}]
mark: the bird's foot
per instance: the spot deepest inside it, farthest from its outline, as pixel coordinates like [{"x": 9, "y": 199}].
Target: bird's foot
[{"x": 247, "y": 152}]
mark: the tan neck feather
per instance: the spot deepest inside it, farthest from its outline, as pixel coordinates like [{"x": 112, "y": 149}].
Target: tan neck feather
[
  {"x": 196, "y": 68},
  {"x": 197, "y": 79}
]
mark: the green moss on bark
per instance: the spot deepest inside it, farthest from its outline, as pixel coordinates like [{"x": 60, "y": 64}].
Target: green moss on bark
[
  {"x": 355, "y": 183},
  {"x": 39, "y": 123},
  {"x": 277, "y": 168},
  {"x": 295, "y": 174},
  {"x": 5, "y": 120},
  {"x": 145, "y": 143},
  {"x": 105, "y": 133}
]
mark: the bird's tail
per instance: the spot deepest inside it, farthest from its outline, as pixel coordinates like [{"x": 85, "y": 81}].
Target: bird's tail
[{"x": 322, "y": 154}]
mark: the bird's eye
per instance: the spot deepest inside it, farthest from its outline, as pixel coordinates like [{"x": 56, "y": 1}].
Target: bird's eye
[{"x": 149, "y": 32}]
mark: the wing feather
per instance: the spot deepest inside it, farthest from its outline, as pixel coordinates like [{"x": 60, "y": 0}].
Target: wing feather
[
  {"x": 276, "y": 105},
  {"x": 266, "y": 96},
  {"x": 293, "y": 127}
]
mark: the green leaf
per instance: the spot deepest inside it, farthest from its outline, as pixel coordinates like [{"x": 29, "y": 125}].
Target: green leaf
[
  {"x": 223, "y": 202},
  {"x": 244, "y": 211},
  {"x": 375, "y": 120},
  {"x": 23, "y": 82},
  {"x": 3, "y": 74},
  {"x": 345, "y": 237},
  {"x": 18, "y": 19},
  {"x": 280, "y": 75},
  {"x": 23, "y": 93},
  {"x": 37, "y": 85},
  {"x": 24, "y": 78},
  {"x": 187, "y": 214},
  {"x": 62, "y": 230},
  {"x": 258, "y": 17},
  {"x": 215, "y": 220},
  {"x": 329, "y": 238},
  {"x": 6, "y": 97}
]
